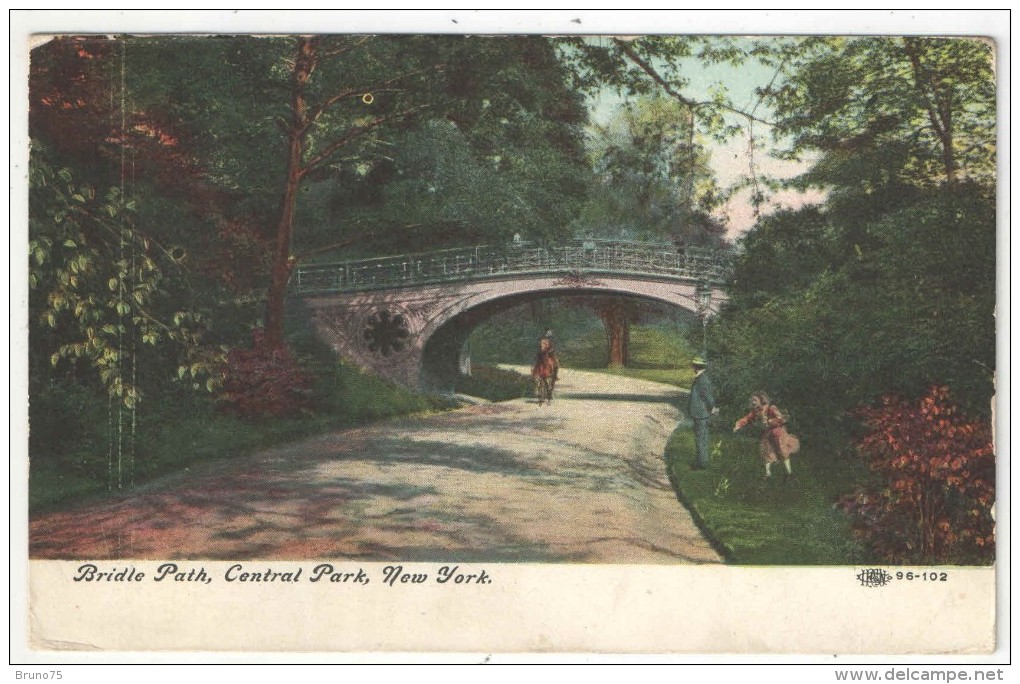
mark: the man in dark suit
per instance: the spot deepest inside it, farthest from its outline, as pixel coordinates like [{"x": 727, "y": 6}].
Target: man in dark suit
[{"x": 700, "y": 407}]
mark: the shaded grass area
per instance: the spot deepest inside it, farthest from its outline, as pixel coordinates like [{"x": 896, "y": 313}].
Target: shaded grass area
[
  {"x": 495, "y": 384},
  {"x": 179, "y": 429},
  {"x": 658, "y": 353},
  {"x": 651, "y": 348},
  {"x": 757, "y": 522},
  {"x": 659, "y": 350}
]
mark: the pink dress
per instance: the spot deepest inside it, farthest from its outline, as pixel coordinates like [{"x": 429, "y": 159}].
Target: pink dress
[{"x": 776, "y": 443}]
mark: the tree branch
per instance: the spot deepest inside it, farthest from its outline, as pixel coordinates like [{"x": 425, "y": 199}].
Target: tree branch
[
  {"x": 352, "y": 135},
  {"x": 633, "y": 56},
  {"x": 919, "y": 79},
  {"x": 139, "y": 238},
  {"x": 319, "y": 109},
  {"x": 941, "y": 119},
  {"x": 347, "y": 48}
]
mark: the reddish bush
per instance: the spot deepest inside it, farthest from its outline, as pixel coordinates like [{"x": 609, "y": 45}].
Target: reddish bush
[
  {"x": 262, "y": 381},
  {"x": 934, "y": 500}
]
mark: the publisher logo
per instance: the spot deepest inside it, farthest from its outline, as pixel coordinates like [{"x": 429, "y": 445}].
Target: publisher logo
[{"x": 873, "y": 577}]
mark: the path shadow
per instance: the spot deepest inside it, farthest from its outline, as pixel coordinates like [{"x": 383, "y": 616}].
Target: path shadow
[
  {"x": 609, "y": 396},
  {"x": 444, "y": 455}
]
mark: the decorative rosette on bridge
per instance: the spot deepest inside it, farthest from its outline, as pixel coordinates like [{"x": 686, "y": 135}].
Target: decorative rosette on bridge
[{"x": 386, "y": 332}]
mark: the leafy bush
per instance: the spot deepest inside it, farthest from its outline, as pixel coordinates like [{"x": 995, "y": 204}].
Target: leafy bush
[
  {"x": 263, "y": 381},
  {"x": 934, "y": 500}
]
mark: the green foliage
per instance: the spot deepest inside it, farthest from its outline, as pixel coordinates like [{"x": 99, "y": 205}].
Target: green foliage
[
  {"x": 221, "y": 96},
  {"x": 653, "y": 177},
  {"x": 437, "y": 191},
  {"x": 98, "y": 285},
  {"x": 784, "y": 253},
  {"x": 890, "y": 286},
  {"x": 68, "y": 428},
  {"x": 497, "y": 151},
  {"x": 766, "y": 523},
  {"x": 886, "y": 111},
  {"x": 912, "y": 307}
]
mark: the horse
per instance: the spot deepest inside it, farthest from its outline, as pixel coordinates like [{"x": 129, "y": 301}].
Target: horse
[{"x": 545, "y": 372}]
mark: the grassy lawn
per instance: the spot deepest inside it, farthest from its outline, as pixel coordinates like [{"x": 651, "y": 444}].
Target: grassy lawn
[
  {"x": 657, "y": 353},
  {"x": 754, "y": 522}
]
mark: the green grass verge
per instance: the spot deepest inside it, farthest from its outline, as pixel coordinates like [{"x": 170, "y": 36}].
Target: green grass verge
[
  {"x": 753, "y": 522},
  {"x": 495, "y": 384}
]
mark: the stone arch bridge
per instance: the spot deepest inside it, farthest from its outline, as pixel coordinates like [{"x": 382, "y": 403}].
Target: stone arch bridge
[{"x": 407, "y": 318}]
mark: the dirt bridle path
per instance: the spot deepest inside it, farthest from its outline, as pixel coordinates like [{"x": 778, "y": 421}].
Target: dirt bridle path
[{"x": 582, "y": 480}]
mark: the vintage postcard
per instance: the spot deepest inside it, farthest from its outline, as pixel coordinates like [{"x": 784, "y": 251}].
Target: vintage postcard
[{"x": 344, "y": 336}]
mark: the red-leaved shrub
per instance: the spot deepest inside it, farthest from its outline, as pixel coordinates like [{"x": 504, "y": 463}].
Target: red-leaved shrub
[
  {"x": 262, "y": 382},
  {"x": 936, "y": 489}
]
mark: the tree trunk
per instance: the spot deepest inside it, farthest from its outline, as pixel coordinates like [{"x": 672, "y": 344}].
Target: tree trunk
[
  {"x": 283, "y": 264},
  {"x": 283, "y": 260},
  {"x": 615, "y": 317},
  {"x": 940, "y": 113},
  {"x": 948, "y": 156}
]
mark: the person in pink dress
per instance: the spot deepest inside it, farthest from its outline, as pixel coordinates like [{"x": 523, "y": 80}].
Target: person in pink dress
[{"x": 776, "y": 444}]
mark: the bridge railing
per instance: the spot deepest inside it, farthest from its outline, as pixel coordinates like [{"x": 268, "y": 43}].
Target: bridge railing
[{"x": 482, "y": 262}]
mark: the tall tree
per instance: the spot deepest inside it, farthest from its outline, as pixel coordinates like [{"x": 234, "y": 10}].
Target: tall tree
[
  {"x": 335, "y": 110},
  {"x": 908, "y": 110},
  {"x": 662, "y": 66},
  {"x": 653, "y": 177},
  {"x": 655, "y": 181},
  {"x": 351, "y": 98}
]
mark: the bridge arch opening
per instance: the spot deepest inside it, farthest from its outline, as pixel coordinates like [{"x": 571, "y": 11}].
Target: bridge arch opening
[{"x": 447, "y": 353}]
